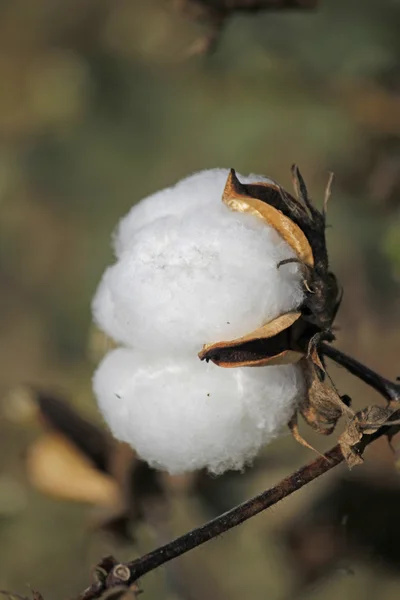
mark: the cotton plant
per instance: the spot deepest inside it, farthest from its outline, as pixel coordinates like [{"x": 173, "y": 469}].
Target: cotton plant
[{"x": 219, "y": 295}]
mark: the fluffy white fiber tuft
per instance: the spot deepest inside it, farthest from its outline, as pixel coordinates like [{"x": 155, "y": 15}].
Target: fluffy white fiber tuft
[
  {"x": 185, "y": 415},
  {"x": 189, "y": 271},
  {"x": 196, "y": 191}
]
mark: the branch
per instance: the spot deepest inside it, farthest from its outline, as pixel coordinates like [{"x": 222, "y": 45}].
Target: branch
[
  {"x": 389, "y": 389},
  {"x": 231, "y": 6},
  {"x": 217, "y": 12},
  {"x": 139, "y": 567},
  {"x": 236, "y": 515}
]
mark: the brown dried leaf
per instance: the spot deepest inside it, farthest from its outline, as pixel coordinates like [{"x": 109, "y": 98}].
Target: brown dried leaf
[
  {"x": 348, "y": 442},
  {"x": 314, "y": 356},
  {"x": 236, "y": 199},
  {"x": 56, "y": 467},
  {"x": 294, "y": 430},
  {"x": 60, "y": 416},
  {"x": 322, "y": 407},
  {"x": 267, "y": 345},
  {"x": 374, "y": 417},
  {"x": 365, "y": 422}
]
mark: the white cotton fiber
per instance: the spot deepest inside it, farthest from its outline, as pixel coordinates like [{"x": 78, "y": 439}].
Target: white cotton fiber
[
  {"x": 199, "y": 189},
  {"x": 189, "y": 272},
  {"x": 199, "y": 275},
  {"x": 185, "y": 415}
]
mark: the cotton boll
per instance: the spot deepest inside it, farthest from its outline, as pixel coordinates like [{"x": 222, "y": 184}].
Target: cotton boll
[
  {"x": 209, "y": 276},
  {"x": 196, "y": 190},
  {"x": 190, "y": 272},
  {"x": 186, "y": 415}
]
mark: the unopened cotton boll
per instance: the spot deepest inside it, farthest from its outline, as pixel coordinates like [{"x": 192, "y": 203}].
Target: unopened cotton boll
[
  {"x": 191, "y": 271},
  {"x": 185, "y": 415}
]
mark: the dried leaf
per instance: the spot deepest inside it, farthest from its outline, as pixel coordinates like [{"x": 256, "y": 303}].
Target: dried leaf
[
  {"x": 314, "y": 356},
  {"x": 348, "y": 443},
  {"x": 56, "y": 467},
  {"x": 323, "y": 407},
  {"x": 270, "y": 344},
  {"x": 294, "y": 430},
  {"x": 371, "y": 418},
  {"x": 59, "y": 416},
  {"x": 236, "y": 199},
  {"x": 365, "y": 422}
]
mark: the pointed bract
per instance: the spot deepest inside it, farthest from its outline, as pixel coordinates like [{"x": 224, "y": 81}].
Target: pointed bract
[
  {"x": 267, "y": 345},
  {"x": 236, "y": 199}
]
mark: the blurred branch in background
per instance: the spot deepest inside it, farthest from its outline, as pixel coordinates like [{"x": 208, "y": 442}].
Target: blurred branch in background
[{"x": 215, "y": 13}]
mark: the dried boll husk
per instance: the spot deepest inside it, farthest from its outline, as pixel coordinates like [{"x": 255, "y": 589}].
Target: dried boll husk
[
  {"x": 302, "y": 226},
  {"x": 308, "y": 240},
  {"x": 268, "y": 345},
  {"x": 236, "y": 198},
  {"x": 294, "y": 336}
]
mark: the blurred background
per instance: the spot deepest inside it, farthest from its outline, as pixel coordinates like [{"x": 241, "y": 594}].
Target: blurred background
[{"x": 101, "y": 103}]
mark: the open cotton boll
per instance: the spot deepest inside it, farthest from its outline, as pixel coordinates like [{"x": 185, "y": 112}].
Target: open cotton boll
[
  {"x": 196, "y": 190},
  {"x": 186, "y": 280},
  {"x": 185, "y": 415}
]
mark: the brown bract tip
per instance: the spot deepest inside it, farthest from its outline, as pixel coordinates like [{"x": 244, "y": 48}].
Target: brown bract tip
[
  {"x": 271, "y": 344},
  {"x": 237, "y": 199}
]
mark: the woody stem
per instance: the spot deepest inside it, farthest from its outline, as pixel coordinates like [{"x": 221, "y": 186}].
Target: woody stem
[
  {"x": 389, "y": 389},
  {"x": 236, "y": 515},
  {"x": 228, "y": 520},
  {"x": 224, "y": 522}
]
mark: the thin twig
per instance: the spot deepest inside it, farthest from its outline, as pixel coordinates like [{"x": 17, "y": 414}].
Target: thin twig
[
  {"x": 221, "y": 524},
  {"x": 235, "y": 516},
  {"x": 390, "y": 390}
]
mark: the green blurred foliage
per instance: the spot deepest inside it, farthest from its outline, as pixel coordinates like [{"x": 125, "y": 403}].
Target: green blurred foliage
[{"x": 100, "y": 104}]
